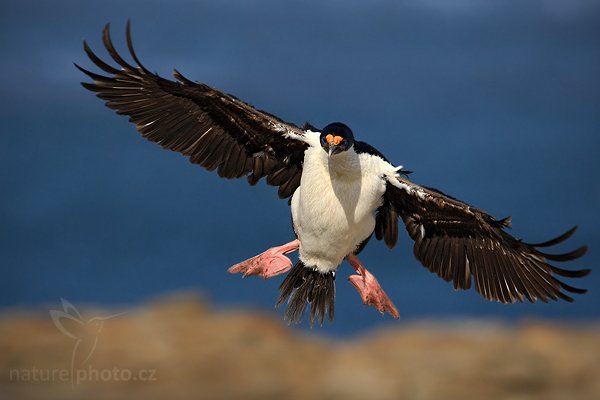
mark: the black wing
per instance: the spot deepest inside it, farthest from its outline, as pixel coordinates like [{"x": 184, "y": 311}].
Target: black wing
[
  {"x": 459, "y": 242},
  {"x": 213, "y": 129},
  {"x": 386, "y": 216}
]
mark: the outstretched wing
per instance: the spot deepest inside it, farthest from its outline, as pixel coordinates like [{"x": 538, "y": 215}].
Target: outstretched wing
[
  {"x": 461, "y": 243},
  {"x": 213, "y": 129}
]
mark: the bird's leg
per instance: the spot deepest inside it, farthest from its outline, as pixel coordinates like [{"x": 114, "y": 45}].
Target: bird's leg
[
  {"x": 268, "y": 264},
  {"x": 369, "y": 289}
]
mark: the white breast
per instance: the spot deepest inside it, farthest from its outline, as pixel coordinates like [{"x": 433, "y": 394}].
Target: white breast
[{"x": 334, "y": 208}]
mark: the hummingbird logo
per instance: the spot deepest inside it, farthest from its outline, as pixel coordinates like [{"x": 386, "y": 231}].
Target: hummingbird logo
[{"x": 85, "y": 332}]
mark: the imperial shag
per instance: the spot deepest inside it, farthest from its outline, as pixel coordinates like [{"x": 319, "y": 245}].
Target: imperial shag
[{"x": 341, "y": 190}]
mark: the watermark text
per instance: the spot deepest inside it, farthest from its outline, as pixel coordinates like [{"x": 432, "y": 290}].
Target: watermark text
[{"x": 80, "y": 375}]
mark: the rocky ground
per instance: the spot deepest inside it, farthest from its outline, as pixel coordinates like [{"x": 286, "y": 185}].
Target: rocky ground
[{"x": 180, "y": 348}]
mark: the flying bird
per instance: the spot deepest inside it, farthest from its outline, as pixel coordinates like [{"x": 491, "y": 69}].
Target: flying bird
[{"x": 341, "y": 192}]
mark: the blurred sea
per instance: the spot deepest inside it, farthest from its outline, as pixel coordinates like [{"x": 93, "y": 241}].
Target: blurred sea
[{"x": 496, "y": 103}]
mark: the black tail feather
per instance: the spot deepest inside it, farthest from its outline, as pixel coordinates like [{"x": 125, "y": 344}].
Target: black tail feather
[{"x": 305, "y": 285}]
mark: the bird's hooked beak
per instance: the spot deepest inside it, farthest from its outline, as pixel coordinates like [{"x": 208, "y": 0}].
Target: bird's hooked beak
[{"x": 333, "y": 144}]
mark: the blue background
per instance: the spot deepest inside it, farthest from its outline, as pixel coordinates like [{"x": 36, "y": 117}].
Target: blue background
[{"x": 496, "y": 103}]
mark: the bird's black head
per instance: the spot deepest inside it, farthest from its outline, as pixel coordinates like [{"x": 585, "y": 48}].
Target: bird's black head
[{"x": 336, "y": 138}]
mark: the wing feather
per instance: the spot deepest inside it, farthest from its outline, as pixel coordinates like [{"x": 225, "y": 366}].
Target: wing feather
[
  {"x": 462, "y": 244},
  {"x": 212, "y": 128}
]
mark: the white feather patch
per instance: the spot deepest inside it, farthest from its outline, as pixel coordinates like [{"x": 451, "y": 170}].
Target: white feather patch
[
  {"x": 290, "y": 134},
  {"x": 334, "y": 208}
]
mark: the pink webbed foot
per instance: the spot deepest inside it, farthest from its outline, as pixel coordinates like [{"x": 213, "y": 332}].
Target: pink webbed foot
[
  {"x": 268, "y": 264},
  {"x": 369, "y": 289}
]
